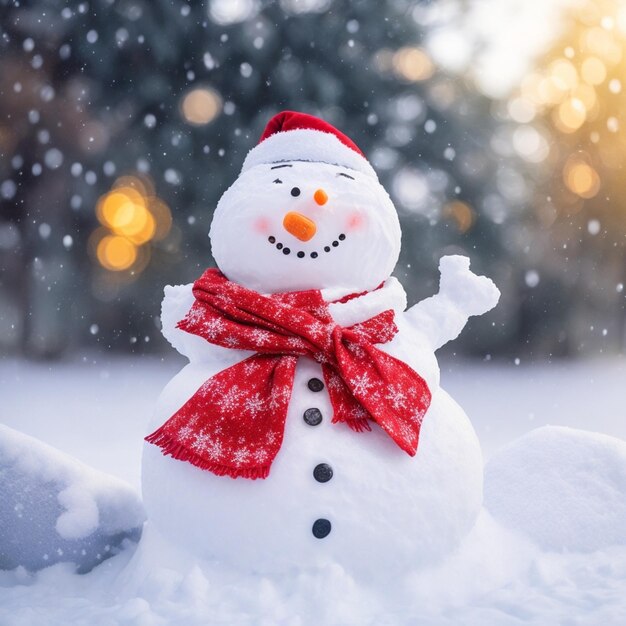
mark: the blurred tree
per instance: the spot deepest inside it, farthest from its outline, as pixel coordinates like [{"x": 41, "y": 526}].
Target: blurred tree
[
  {"x": 174, "y": 95},
  {"x": 572, "y": 125}
]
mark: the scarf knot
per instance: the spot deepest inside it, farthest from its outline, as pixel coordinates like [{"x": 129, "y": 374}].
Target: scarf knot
[{"x": 233, "y": 425}]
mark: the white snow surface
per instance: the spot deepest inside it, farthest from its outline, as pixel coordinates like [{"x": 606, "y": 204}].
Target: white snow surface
[
  {"x": 497, "y": 576},
  {"x": 564, "y": 488},
  {"x": 89, "y": 499}
]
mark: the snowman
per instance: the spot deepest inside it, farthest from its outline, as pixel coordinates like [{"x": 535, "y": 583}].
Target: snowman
[{"x": 309, "y": 427}]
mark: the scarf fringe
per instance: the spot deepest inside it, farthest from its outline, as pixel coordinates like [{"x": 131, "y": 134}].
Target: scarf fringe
[
  {"x": 359, "y": 425},
  {"x": 178, "y": 451}
]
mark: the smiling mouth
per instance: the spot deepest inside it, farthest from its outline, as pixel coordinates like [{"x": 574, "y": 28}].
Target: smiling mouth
[{"x": 300, "y": 254}]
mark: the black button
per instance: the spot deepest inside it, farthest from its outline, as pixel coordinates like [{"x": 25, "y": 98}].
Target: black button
[
  {"x": 312, "y": 417},
  {"x": 323, "y": 473},
  {"x": 315, "y": 384},
  {"x": 321, "y": 528}
]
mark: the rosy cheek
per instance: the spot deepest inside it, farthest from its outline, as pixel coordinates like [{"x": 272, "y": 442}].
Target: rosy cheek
[
  {"x": 261, "y": 225},
  {"x": 355, "y": 221}
]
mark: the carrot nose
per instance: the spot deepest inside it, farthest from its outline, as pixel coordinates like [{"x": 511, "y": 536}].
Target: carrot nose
[
  {"x": 299, "y": 226},
  {"x": 320, "y": 196}
]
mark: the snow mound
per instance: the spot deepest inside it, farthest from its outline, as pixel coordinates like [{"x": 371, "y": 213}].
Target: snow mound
[
  {"x": 564, "y": 488},
  {"x": 54, "y": 508}
]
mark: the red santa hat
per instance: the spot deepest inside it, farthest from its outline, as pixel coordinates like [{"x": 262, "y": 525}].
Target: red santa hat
[{"x": 293, "y": 136}]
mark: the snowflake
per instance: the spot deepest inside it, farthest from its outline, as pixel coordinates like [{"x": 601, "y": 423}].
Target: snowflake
[
  {"x": 335, "y": 383},
  {"x": 320, "y": 311},
  {"x": 214, "y": 450},
  {"x": 357, "y": 350},
  {"x": 250, "y": 367},
  {"x": 279, "y": 397},
  {"x": 294, "y": 342},
  {"x": 317, "y": 330},
  {"x": 261, "y": 337},
  {"x": 397, "y": 397},
  {"x": 260, "y": 456},
  {"x": 201, "y": 442},
  {"x": 358, "y": 412},
  {"x": 231, "y": 341},
  {"x": 185, "y": 433},
  {"x": 254, "y": 405},
  {"x": 407, "y": 432},
  {"x": 240, "y": 456},
  {"x": 229, "y": 401},
  {"x": 194, "y": 316},
  {"x": 320, "y": 357},
  {"x": 361, "y": 384},
  {"x": 213, "y": 328}
]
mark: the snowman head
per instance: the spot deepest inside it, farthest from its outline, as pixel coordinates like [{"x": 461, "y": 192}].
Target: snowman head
[{"x": 306, "y": 212}]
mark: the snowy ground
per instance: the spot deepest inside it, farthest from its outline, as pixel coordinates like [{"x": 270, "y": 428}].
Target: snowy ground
[{"x": 96, "y": 410}]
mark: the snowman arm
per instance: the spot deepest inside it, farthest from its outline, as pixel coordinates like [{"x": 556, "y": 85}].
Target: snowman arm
[
  {"x": 462, "y": 294},
  {"x": 176, "y": 303}
]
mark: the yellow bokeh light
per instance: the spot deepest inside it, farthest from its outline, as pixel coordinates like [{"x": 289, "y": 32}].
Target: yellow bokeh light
[
  {"x": 551, "y": 91},
  {"x": 461, "y": 213},
  {"x": 141, "y": 229},
  {"x": 116, "y": 253},
  {"x": 570, "y": 115},
  {"x": 601, "y": 43},
  {"x": 593, "y": 71},
  {"x": 564, "y": 74},
  {"x": 201, "y": 106},
  {"x": 581, "y": 178},
  {"x": 140, "y": 183},
  {"x": 124, "y": 211},
  {"x": 612, "y": 124},
  {"x": 587, "y": 95},
  {"x": 131, "y": 216},
  {"x": 413, "y": 64}
]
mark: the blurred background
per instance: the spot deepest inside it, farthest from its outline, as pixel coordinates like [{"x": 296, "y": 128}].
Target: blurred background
[{"x": 498, "y": 127}]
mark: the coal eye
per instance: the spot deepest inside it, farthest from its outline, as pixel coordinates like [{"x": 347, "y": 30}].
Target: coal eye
[
  {"x": 278, "y": 181},
  {"x": 345, "y": 175},
  {"x": 295, "y": 192}
]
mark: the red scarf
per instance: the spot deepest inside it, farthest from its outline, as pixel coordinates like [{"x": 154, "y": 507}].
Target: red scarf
[{"x": 233, "y": 425}]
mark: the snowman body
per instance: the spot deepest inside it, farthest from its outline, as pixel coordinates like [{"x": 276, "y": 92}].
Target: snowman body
[{"x": 333, "y": 495}]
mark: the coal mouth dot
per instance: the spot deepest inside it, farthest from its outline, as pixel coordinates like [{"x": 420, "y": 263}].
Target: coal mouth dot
[{"x": 301, "y": 254}]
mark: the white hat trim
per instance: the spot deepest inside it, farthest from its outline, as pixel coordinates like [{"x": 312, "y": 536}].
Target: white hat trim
[{"x": 303, "y": 144}]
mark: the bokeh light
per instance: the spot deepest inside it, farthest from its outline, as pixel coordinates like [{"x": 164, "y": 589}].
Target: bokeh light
[
  {"x": 570, "y": 115},
  {"x": 412, "y": 64},
  {"x": 116, "y": 253},
  {"x": 581, "y": 178},
  {"x": 132, "y": 217},
  {"x": 593, "y": 71},
  {"x": 201, "y": 106},
  {"x": 461, "y": 213}
]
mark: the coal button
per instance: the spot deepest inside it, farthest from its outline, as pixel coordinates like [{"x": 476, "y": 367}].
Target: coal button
[
  {"x": 315, "y": 384},
  {"x": 321, "y": 528},
  {"x": 312, "y": 417},
  {"x": 323, "y": 473}
]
